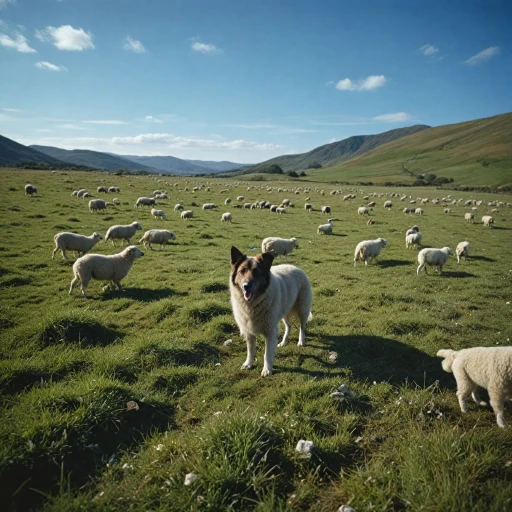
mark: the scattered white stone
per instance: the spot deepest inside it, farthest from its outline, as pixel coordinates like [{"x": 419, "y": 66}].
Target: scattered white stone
[
  {"x": 228, "y": 342},
  {"x": 346, "y": 508},
  {"x": 305, "y": 448},
  {"x": 190, "y": 478},
  {"x": 160, "y": 447},
  {"x": 218, "y": 413},
  {"x": 217, "y": 364},
  {"x": 333, "y": 356}
]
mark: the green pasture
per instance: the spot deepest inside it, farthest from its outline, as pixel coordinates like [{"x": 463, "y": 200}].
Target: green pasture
[{"x": 107, "y": 403}]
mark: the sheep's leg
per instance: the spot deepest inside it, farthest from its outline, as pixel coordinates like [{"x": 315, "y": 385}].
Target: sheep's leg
[
  {"x": 270, "y": 350},
  {"x": 302, "y": 333},
  {"x": 476, "y": 398},
  {"x": 419, "y": 269},
  {"x": 54, "y": 252},
  {"x": 84, "y": 288},
  {"x": 465, "y": 386},
  {"x": 119, "y": 287},
  {"x": 74, "y": 282},
  {"x": 64, "y": 254},
  {"x": 251, "y": 351},
  {"x": 497, "y": 399},
  {"x": 287, "y": 330}
]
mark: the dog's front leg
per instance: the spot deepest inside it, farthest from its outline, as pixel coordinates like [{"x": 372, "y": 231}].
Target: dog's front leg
[
  {"x": 251, "y": 351},
  {"x": 270, "y": 350}
]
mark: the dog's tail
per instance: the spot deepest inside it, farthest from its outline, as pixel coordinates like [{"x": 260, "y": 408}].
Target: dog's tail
[{"x": 449, "y": 356}]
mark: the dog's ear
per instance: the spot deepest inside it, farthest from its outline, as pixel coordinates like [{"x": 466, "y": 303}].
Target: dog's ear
[
  {"x": 236, "y": 255},
  {"x": 266, "y": 258}
]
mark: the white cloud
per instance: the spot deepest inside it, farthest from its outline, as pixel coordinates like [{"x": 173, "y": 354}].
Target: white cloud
[
  {"x": 207, "y": 48},
  {"x": 483, "y": 56},
  {"x": 4, "y": 3},
  {"x": 105, "y": 121},
  {"x": 18, "y": 43},
  {"x": 71, "y": 126},
  {"x": 393, "y": 118},
  {"x": 370, "y": 83},
  {"x": 152, "y": 119},
  {"x": 66, "y": 37},
  {"x": 428, "y": 50},
  {"x": 49, "y": 66},
  {"x": 133, "y": 45},
  {"x": 12, "y": 109}
]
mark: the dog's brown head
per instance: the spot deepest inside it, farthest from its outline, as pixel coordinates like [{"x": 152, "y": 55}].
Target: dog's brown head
[{"x": 250, "y": 276}]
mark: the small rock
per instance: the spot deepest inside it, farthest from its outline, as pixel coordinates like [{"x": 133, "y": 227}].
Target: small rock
[
  {"x": 305, "y": 448},
  {"x": 190, "y": 478},
  {"x": 228, "y": 342},
  {"x": 333, "y": 356},
  {"x": 359, "y": 439}
]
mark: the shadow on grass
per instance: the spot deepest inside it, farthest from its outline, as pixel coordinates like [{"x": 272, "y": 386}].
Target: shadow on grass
[
  {"x": 394, "y": 263},
  {"x": 143, "y": 294},
  {"x": 481, "y": 258},
  {"x": 457, "y": 274}
]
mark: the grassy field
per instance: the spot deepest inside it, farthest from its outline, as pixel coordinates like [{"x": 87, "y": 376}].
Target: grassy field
[{"x": 108, "y": 403}]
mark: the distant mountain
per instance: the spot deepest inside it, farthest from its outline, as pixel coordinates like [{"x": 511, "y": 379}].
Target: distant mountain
[
  {"x": 336, "y": 152},
  {"x": 219, "y": 166},
  {"x": 12, "y": 154},
  {"x": 93, "y": 159}
]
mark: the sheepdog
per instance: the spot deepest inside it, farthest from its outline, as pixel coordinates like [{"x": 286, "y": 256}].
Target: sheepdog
[
  {"x": 485, "y": 367},
  {"x": 261, "y": 296}
]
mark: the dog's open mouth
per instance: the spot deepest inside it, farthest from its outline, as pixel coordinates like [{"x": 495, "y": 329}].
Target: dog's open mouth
[{"x": 248, "y": 295}]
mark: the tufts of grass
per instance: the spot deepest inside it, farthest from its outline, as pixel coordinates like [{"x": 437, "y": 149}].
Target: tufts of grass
[
  {"x": 205, "y": 311},
  {"x": 214, "y": 287}
]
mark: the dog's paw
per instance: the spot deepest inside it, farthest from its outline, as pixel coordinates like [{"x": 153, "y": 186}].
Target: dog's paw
[
  {"x": 246, "y": 366},
  {"x": 265, "y": 372}
]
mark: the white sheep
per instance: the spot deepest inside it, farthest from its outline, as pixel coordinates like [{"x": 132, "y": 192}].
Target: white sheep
[
  {"x": 104, "y": 268},
  {"x": 462, "y": 251},
  {"x": 418, "y": 211},
  {"x": 145, "y": 201},
  {"x": 102, "y": 189},
  {"x": 81, "y": 192},
  {"x": 157, "y": 236},
  {"x": 279, "y": 246},
  {"x": 280, "y": 210},
  {"x": 209, "y": 206},
  {"x": 434, "y": 258},
  {"x": 326, "y": 209},
  {"x": 487, "y": 221},
  {"x": 226, "y": 217},
  {"x": 114, "y": 190},
  {"x": 178, "y": 206},
  {"x": 325, "y": 229},
  {"x": 414, "y": 229},
  {"x": 116, "y": 201},
  {"x": 362, "y": 210},
  {"x": 368, "y": 249},
  {"x": 97, "y": 204},
  {"x": 158, "y": 214},
  {"x": 187, "y": 214},
  {"x": 448, "y": 211},
  {"x": 240, "y": 198},
  {"x": 413, "y": 239},
  {"x": 122, "y": 232},
  {"x": 227, "y": 201},
  {"x": 81, "y": 244},
  {"x": 388, "y": 204},
  {"x": 469, "y": 217},
  {"x": 481, "y": 367},
  {"x": 30, "y": 189}
]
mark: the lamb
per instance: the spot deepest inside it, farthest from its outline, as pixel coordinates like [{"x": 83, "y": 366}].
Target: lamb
[
  {"x": 326, "y": 209},
  {"x": 362, "y": 210},
  {"x": 448, "y": 211},
  {"x": 279, "y": 246},
  {"x": 418, "y": 211},
  {"x": 178, "y": 206},
  {"x": 488, "y": 221},
  {"x": 408, "y": 210},
  {"x": 86, "y": 195},
  {"x": 226, "y": 217},
  {"x": 388, "y": 204},
  {"x": 122, "y": 232},
  {"x": 145, "y": 201},
  {"x": 308, "y": 207},
  {"x": 372, "y": 204},
  {"x": 81, "y": 192},
  {"x": 114, "y": 190},
  {"x": 104, "y": 268},
  {"x": 157, "y": 236},
  {"x": 413, "y": 239},
  {"x": 81, "y": 244},
  {"x": 469, "y": 217},
  {"x": 414, "y": 229},
  {"x": 161, "y": 196},
  {"x": 434, "y": 258},
  {"x": 97, "y": 204},
  {"x": 280, "y": 210},
  {"x": 240, "y": 198},
  {"x": 209, "y": 206},
  {"x": 102, "y": 189},
  {"x": 227, "y": 201},
  {"x": 485, "y": 367},
  {"x": 116, "y": 201},
  {"x": 462, "y": 250},
  {"x": 30, "y": 189},
  {"x": 187, "y": 214},
  {"x": 158, "y": 214},
  {"x": 325, "y": 229},
  {"x": 368, "y": 249}
]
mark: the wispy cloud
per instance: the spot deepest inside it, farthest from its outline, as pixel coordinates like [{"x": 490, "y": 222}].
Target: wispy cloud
[
  {"x": 393, "y": 118},
  {"x": 252, "y": 126},
  {"x": 133, "y": 45},
  {"x": 428, "y": 50},
  {"x": 5, "y": 3},
  {"x": 278, "y": 129},
  {"x": 105, "y": 121},
  {"x": 72, "y": 126},
  {"x": 207, "y": 48},
  {"x": 18, "y": 42},
  {"x": 370, "y": 83},
  {"x": 66, "y": 38},
  {"x": 151, "y": 119},
  {"x": 49, "y": 66},
  {"x": 11, "y": 109},
  {"x": 483, "y": 56}
]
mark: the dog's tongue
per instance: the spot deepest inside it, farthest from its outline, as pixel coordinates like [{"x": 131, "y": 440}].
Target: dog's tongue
[{"x": 247, "y": 296}]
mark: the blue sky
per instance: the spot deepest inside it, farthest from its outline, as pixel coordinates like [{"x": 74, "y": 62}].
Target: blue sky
[{"x": 245, "y": 80}]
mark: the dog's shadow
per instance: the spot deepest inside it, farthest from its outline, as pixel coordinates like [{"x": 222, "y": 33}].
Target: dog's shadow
[{"x": 377, "y": 359}]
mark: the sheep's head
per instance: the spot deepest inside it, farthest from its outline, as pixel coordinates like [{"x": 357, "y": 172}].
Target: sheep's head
[
  {"x": 97, "y": 236},
  {"x": 132, "y": 252}
]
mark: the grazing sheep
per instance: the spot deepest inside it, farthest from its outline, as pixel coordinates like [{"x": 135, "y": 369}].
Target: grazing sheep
[
  {"x": 326, "y": 209},
  {"x": 247, "y": 206},
  {"x": 469, "y": 217},
  {"x": 158, "y": 214},
  {"x": 116, "y": 201},
  {"x": 280, "y": 210},
  {"x": 97, "y": 204},
  {"x": 434, "y": 258},
  {"x": 122, "y": 232},
  {"x": 286, "y": 202},
  {"x": 388, "y": 204},
  {"x": 81, "y": 192},
  {"x": 418, "y": 211},
  {"x": 368, "y": 249},
  {"x": 157, "y": 236},
  {"x": 273, "y": 208},
  {"x": 488, "y": 221},
  {"x": 372, "y": 204},
  {"x": 408, "y": 210},
  {"x": 104, "y": 268},
  {"x": 86, "y": 195},
  {"x": 240, "y": 198},
  {"x": 227, "y": 201},
  {"x": 114, "y": 190},
  {"x": 178, "y": 206},
  {"x": 279, "y": 246},
  {"x": 413, "y": 239},
  {"x": 308, "y": 207},
  {"x": 223, "y": 191},
  {"x": 187, "y": 214},
  {"x": 102, "y": 189},
  {"x": 325, "y": 229},
  {"x": 448, "y": 211},
  {"x": 145, "y": 201},
  {"x": 209, "y": 206},
  {"x": 485, "y": 367},
  {"x": 156, "y": 192},
  {"x": 161, "y": 196},
  {"x": 30, "y": 189},
  {"x": 72, "y": 242},
  {"x": 226, "y": 217},
  {"x": 462, "y": 250},
  {"x": 414, "y": 229},
  {"x": 362, "y": 210},
  {"x": 74, "y": 193}
]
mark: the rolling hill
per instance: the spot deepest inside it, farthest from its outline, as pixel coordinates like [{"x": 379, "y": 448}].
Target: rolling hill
[{"x": 12, "y": 154}]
